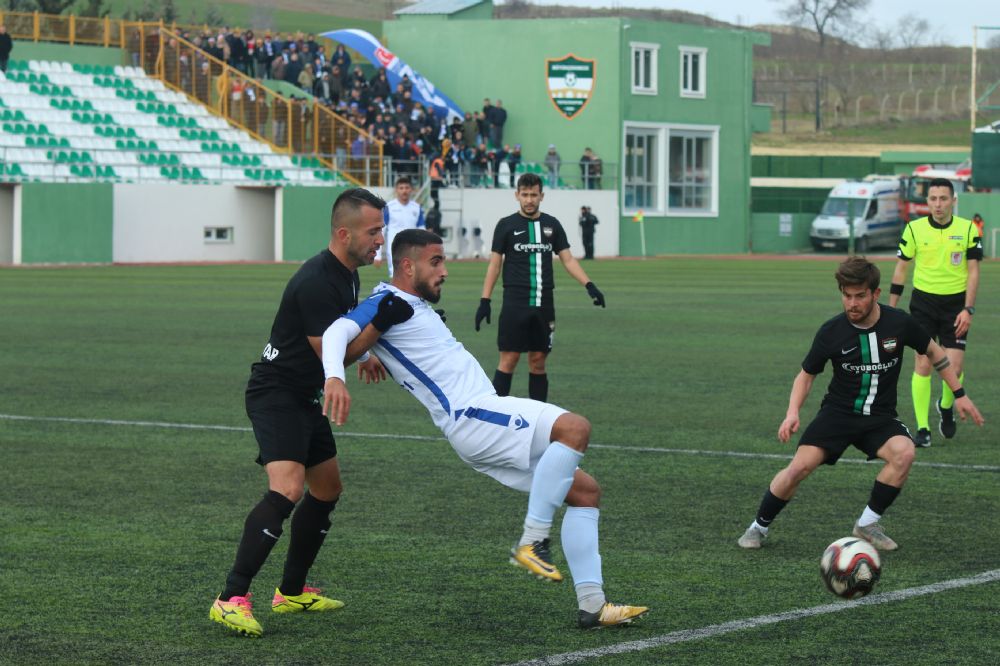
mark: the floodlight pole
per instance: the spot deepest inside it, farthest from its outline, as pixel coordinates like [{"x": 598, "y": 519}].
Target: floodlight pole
[{"x": 972, "y": 82}]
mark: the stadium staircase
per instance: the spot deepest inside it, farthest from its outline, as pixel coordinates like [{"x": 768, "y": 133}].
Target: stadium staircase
[{"x": 65, "y": 122}]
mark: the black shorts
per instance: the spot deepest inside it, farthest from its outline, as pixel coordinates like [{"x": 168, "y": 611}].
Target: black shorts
[
  {"x": 526, "y": 329},
  {"x": 936, "y": 315},
  {"x": 834, "y": 431},
  {"x": 289, "y": 426}
]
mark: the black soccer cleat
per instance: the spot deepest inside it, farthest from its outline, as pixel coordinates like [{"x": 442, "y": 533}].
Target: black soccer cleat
[
  {"x": 948, "y": 427},
  {"x": 923, "y": 438}
]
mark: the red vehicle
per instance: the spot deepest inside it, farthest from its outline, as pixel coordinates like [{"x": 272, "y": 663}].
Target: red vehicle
[{"x": 914, "y": 192}]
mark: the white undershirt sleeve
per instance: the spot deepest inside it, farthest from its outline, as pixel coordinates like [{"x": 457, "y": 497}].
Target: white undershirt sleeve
[{"x": 335, "y": 341}]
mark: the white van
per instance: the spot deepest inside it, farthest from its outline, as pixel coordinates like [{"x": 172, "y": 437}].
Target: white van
[{"x": 873, "y": 204}]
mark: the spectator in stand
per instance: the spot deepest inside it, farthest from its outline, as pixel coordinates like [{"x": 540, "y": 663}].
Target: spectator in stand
[
  {"x": 436, "y": 171},
  {"x": 293, "y": 69},
  {"x": 588, "y": 224},
  {"x": 250, "y": 47},
  {"x": 358, "y": 78},
  {"x": 342, "y": 59},
  {"x": 482, "y": 129},
  {"x": 487, "y": 119},
  {"x": 455, "y": 127},
  {"x": 264, "y": 56},
  {"x": 6, "y": 46},
  {"x": 322, "y": 89},
  {"x": 499, "y": 156},
  {"x": 380, "y": 84},
  {"x": 278, "y": 67},
  {"x": 513, "y": 162},
  {"x": 587, "y": 170},
  {"x": 497, "y": 121},
  {"x": 469, "y": 128},
  {"x": 552, "y": 164},
  {"x": 977, "y": 220},
  {"x": 306, "y": 79},
  {"x": 406, "y": 83}
]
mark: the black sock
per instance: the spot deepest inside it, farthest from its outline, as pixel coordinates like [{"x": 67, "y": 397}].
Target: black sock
[
  {"x": 770, "y": 506},
  {"x": 309, "y": 527},
  {"x": 538, "y": 387},
  {"x": 883, "y": 495},
  {"x": 501, "y": 382},
  {"x": 260, "y": 532}
]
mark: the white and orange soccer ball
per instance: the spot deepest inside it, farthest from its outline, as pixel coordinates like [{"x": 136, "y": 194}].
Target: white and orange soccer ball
[{"x": 850, "y": 567}]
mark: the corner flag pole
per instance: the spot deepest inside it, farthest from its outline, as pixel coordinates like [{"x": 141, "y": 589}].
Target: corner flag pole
[{"x": 639, "y": 217}]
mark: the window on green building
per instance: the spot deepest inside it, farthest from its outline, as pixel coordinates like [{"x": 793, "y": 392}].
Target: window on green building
[
  {"x": 671, "y": 170},
  {"x": 644, "y": 68},
  {"x": 640, "y": 169},
  {"x": 691, "y": 171},
  {"x": 693, "y": 62}
]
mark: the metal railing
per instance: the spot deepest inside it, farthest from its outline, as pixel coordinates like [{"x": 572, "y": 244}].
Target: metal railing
[{"x": 108, "y": 32}]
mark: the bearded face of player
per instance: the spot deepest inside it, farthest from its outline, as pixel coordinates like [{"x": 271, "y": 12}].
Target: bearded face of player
[
  {"x": 429, "y": 273},
  {"x": 529, "y": 198},
  {"x": 859, "y": 304},
  {"x": 366, "y": 236},
  {"x": 403, "y": 192}
]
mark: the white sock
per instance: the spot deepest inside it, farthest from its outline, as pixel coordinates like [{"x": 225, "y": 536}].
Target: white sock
[
  {"x": 534, "y": 531},
  {"x": 580, "y": 546},
  {"x": 758, "y": 526},
  {"x": 868, "y": 517},
  {"x": 551, "y": 481}
]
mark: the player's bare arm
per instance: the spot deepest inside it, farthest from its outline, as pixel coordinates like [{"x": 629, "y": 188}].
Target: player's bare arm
[
  {"x": 898, "y": 277},
  {"x": 576, "y": 271},
  {"x": 964, "y": 319},
  {"x": 800, "y": 391},
  {"x": 963, "y": 404},
  {"x": 492, "y": 274}
]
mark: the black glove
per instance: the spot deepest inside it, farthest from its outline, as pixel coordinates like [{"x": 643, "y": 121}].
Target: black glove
[
  {"x": 440, "y": 313},
  {"x": 595, "y": 294},
  {"x": 392, "y": 310},
  {"x": 483, "y": 312}
]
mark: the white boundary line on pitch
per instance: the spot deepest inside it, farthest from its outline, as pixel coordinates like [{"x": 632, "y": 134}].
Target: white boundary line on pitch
[
  {"x": 685, "y": 635},
  {"x": 432, "y": 438}
]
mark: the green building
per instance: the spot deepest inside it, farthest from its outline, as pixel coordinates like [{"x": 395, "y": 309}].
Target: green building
[{"x": 666, "y": 106}]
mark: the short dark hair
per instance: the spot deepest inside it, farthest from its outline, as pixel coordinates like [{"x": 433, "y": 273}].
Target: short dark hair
[
  {"x": 404, "y": 180},
  {"x": 941, "y": 182},
  {"x": 858, "y": 271},
  {"x": 529, "y": 180},
  {"x": 407, "y": 239},
  {"x": 350, "y": 202}
]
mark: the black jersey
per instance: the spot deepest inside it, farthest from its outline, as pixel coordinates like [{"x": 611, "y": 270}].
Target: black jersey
[
  {"x": 866, "y": 361},
  {"x": 527, "y": 247},
  {"x": 321, "y": 290}
]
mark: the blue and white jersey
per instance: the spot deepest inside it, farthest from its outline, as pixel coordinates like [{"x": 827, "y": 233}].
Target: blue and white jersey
[
  {"x": 423, "y": 357},
  {"x": 397, "y": 217}
]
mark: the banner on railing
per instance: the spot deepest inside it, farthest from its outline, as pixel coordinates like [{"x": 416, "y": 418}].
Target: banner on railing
[{"x": 423, "y": 90}]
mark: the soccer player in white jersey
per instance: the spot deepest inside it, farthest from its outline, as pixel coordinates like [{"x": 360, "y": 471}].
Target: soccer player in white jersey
[
  {"x": 524, "y": 444},
  {"x": 401, "y": 213}
]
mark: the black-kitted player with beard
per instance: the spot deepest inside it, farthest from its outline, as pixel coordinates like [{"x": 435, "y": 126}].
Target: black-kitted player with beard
[
  {"x": 865, "y": 347},
  {"x": 296, "y": 445},
  {"x": 523, "y": 245}
]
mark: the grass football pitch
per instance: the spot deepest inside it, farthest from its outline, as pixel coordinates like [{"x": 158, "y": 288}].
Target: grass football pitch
[{"x": 118, "y": 522}]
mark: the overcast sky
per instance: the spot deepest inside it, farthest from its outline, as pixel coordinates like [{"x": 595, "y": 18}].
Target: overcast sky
[{"x": 951, "y": 22}]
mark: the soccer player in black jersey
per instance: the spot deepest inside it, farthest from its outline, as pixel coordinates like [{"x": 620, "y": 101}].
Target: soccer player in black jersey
[
  {"x": 864, "y": 344},
  {"x": 523, "y": 244},
  {"x": 295, "y": 442}
]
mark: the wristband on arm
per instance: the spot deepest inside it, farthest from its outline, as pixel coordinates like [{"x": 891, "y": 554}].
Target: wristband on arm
[
  {"x": 896, "y": 289},
  {"x": 959, "y": 392}
]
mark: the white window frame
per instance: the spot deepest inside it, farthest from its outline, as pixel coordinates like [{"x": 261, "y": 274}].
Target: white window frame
[
  {"x": 654, "y": 49},
  {"x": 702, "y": 53},
  {"x": 218, "y": 235},
  {"x": 664, "y": 131}
]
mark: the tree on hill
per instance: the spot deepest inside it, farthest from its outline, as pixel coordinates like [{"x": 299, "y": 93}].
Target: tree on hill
[
  {"x": 825, "y": 16},
  {"x": 94, "y": 8},
  {"x": 153, "y": 10}
]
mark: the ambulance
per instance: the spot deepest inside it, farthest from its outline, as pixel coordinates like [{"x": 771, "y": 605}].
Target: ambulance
[{"x": 872, "y": 205}]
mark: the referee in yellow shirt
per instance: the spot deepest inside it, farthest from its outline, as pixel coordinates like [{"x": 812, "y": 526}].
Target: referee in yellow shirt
[{"x": 945, "y": 250}]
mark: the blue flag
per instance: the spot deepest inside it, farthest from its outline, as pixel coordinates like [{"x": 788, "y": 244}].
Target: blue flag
[{"x": 423, "y": 90}]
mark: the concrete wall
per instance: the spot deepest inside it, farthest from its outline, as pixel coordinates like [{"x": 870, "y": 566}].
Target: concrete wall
[
  {"x": 166, "y": 222},
  {"x": 7, "y": 224}
]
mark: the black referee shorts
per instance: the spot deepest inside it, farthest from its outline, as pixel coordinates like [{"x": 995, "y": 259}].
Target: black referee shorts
[
  {"x": 936, "y": 315},
  {"x": 289, "y": 426},
  {"x": 526, "y": 329},
  {"x": 834, "y": 431}
]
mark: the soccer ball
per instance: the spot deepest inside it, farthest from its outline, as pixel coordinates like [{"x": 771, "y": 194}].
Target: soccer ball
[{"x": 850, "y": 567}]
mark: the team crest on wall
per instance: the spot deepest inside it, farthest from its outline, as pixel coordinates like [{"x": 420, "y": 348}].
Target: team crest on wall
[{"x": 570, "y": 81}]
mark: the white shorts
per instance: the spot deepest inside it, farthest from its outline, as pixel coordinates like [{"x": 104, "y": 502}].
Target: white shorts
[{"x": 504, "y": 437}]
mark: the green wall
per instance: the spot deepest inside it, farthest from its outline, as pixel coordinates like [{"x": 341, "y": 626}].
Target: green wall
[
  {"x": 506, "y": 60},
  {"x": 987, "y": 204},
  {"x": 765, "y": 236},
  {"x": 818, "y": 166},
  {"x": 66, "y": 223},
  {"x": 83, "y": 55},
  {"x": 306, "y": 220},
  {"x": 788, "y": 199}
]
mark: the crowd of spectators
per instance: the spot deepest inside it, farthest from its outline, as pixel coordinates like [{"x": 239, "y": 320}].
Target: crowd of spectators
[{"x": 469, "y": 150}]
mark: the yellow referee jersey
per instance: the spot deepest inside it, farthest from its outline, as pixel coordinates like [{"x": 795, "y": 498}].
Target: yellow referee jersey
[{"x": 940, "y": 254}]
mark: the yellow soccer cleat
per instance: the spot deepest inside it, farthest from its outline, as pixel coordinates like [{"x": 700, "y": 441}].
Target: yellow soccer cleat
[
  {"x": 536, "y": 558},
  {"x": 236, "y": 614},
  {"x": 610, "y": 615},
  {"x": 310, "y": 600}
]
